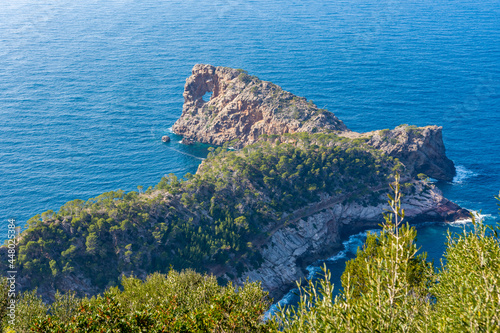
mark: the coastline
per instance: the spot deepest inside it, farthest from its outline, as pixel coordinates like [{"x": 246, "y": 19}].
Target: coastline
[{"x": 300, "y": 190}]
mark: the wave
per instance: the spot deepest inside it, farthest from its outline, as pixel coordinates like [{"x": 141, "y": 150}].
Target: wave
[
  {"x": 313, "y": 270},
  {"x": 286, "y": 300},
  {"x": 477, "y": 216},
  {"x": 462, "y": 174},
  {"x": 350, "y": 248},
  {"x": 352, "y": 245}
]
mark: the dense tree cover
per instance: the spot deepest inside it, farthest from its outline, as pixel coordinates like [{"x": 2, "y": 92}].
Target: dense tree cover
[
  {"x": 213, "y": 218},
  {"x": 389, "y": 288},
  {"x": 177, "y": 302}
]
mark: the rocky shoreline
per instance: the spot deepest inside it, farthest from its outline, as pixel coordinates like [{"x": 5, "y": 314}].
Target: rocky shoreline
[{"x": 291, "y": 249}]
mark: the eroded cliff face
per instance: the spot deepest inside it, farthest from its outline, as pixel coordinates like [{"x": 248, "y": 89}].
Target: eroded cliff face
[
  {"x": 420, "y": 149},
  {"x": 291, "y": 248},
  {"x": 242, "y": 108}
]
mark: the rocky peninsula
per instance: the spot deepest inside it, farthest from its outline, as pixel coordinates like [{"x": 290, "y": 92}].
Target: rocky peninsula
[
  {"x": 242, "y": 108},
  {"x": 297, "y": 183}
]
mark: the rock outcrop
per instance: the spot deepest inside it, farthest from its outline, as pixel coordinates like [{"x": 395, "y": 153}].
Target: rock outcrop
[
  {"x": 420, "y": 149},
  {"x": 242, "y": 108},
  {"x": 290, "y": 249}
]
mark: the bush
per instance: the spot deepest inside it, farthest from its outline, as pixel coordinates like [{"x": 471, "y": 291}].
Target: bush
[
  {"x": 468, "y": 289},
  {"x": 177, "y": 302},
  {"x": 245, "y": 78}
]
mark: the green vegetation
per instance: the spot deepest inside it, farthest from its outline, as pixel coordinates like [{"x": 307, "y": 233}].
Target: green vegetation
[
  {"x": 423, "y": 176},
  {"x": 177, "y": 302},
  {"x": 212, "y": 218},
  {"x": 384, "y": 132},
  {"x": 393, "y": 138},
  {"x": 388, "y": 287},
  {"x": 245, "y": 78},
  {"x": 411, "y": 129}
]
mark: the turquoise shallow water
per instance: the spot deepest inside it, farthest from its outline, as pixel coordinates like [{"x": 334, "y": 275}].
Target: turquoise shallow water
[{"x": 88, "y": 88}]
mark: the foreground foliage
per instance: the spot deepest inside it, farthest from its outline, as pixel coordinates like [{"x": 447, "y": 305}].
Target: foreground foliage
[
  {"x": 389, "y": 288},
  {"x": 178, "y": 302}
]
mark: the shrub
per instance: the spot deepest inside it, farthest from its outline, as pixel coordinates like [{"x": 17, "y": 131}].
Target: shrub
[
  {"x": 245, "y": 78},
  {"x": 468, "y": 290},
  {"x": 177, "y": 302}
]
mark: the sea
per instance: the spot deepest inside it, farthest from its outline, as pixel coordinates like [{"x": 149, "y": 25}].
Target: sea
[{"x": 88, "y": 88}]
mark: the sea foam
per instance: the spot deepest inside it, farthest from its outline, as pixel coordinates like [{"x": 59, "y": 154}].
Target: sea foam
[{"x": 463, "y": 174}]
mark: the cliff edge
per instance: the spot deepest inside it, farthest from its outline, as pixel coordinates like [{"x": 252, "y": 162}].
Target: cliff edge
[
  {"x": 420, "y": 149},
  {"x": 292, "y": 248}
]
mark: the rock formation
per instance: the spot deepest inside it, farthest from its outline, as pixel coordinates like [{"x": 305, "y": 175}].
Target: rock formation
[
  {"x": 420, "y": 149},
  {"x": 242, "y": 107}
]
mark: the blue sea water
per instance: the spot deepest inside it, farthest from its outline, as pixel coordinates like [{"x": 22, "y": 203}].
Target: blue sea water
[{"x": 88, "y": 88}]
